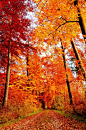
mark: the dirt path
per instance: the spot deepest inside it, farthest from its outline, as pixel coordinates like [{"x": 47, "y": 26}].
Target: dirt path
[{"x": 46, "y": 120}]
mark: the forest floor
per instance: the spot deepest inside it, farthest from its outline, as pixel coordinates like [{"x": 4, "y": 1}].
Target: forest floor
[{"x": 46, "y": 120}]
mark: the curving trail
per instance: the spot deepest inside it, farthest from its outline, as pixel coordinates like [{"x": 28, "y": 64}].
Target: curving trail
[{"x": 46, "y": 120}]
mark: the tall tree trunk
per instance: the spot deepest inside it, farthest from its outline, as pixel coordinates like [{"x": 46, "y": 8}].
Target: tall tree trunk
[
  {"x": 79, "y": 60},
  {"x": 67, "y": 80},
  {"x": 82, "y": 21},
  {"x": 27, "y": 71},
  {"x": 4, "y": 104}
]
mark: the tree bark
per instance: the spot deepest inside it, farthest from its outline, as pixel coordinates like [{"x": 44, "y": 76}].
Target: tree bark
[
  {"x": 67, "y": 80},
  {"x": 79, "y": 60},
  {"x": 82, "y": 21},
  {"x": 27, "y": 71},
  {"x": 4, "y": 104}
]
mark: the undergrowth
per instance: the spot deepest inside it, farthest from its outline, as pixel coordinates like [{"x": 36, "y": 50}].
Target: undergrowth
[
  {"x": 18, "y": 119},
  {"x": 15, "y": 112}
]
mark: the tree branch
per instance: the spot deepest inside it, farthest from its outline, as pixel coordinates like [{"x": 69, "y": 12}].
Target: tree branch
[{"x": 62, "y": 25}]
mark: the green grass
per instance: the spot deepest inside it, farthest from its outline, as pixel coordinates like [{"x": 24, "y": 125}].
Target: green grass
[
  {"x": 18, "y": 119},
  {"x": 72, "y": 116}
]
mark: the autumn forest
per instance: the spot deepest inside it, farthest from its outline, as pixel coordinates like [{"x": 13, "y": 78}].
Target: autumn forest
[{"x": 42, "y": 57}]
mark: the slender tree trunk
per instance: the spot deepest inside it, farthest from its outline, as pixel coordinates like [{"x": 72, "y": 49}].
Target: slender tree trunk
[
  {"x": 27, "y": 71},
  {"x": 27, "y": 66},
  {"x": 79, "y": 60},
  {"x": 4, "y": 104},
  {"x": 82, "y": 21},
  {"x": 67, "y": 80}
]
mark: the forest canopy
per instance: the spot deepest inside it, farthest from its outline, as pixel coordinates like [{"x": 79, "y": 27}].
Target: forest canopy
[{"x": 43, "y": 55}]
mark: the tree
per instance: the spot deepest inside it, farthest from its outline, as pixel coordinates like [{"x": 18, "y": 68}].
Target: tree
[
  {"x": 81, "y": 66},
  {"x": 67, "y": 80},
  {"x": 60, "y": 20},
  {"x": 13, "y": 28},
  {"x": 78, "y": 4},
  {"x": 7, "y": 80}
]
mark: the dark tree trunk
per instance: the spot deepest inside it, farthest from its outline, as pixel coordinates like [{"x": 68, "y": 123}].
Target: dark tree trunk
[
  {"x": 79, "y": 60},
  {"x": 81, "y": 17},
  {"x": 27, "y": 72},
  {"x": 67, "y": 80}
]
